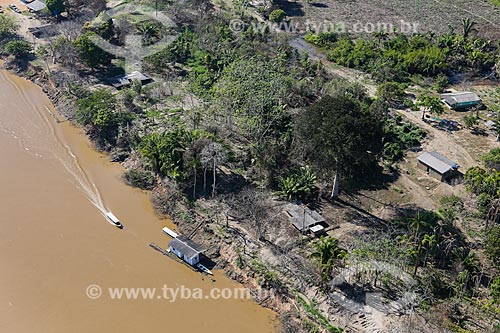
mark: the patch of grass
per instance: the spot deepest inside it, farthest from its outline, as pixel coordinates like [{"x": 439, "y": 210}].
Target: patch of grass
[{"x": 314, "y": 313}]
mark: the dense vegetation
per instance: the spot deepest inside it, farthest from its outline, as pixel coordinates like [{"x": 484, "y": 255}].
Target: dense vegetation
[
  {"x": 237, "y": 120},
  {"x": 398, "y": 57}
]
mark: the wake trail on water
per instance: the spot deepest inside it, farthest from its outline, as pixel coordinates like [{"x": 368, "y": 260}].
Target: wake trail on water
[
  {"x": 70, "y": 161},
  {"x": 45, "y": 138}
]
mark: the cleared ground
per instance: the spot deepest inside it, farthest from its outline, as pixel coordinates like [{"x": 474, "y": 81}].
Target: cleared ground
[{"x": 430, "y": 15}]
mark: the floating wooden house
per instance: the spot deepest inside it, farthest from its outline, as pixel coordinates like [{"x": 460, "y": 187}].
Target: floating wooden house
[{"x": 186, "y": 249}]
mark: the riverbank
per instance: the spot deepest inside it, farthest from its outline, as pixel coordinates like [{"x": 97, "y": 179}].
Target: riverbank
[{"x": 76, "y": 246}]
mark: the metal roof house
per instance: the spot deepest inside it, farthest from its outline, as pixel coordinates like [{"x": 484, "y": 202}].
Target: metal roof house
[
  {"x": 186, "y": 249},
  {"x": 36, "y": 5},
  {"x": 304, "y": 219},
  {"x": 121, "y": 81},
  {"x": 437, "y": 166},
  {"x": 461, "y": 100}
]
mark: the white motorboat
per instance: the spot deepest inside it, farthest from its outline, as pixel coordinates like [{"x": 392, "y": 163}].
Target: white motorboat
[
  {"x": 114, "y": 220},
  {"x": 170, "y": 232}
]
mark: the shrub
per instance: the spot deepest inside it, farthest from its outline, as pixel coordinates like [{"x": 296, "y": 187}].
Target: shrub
[
  {"x": 440, "y": 82},
  {"x": 8, "y": 26},
  {"x": 322, "y": 39},
  {"x": 492, "y": 159},
  {"x": 18, "y": 48},
  {"x": 139, "y": 178},
  {"x": 452, "y": 201},
  {"x": 495, "y": 290},
  {"x": 277, "y": 15},
  {"x": 298, "y": 185},
  {"x": 483, "y": 203}
]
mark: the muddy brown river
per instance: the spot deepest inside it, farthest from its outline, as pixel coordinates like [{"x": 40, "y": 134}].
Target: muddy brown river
[{"x": 55, "y": 241}]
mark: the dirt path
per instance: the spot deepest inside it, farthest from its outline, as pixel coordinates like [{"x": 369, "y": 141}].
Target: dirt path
[
  {"x": 348, "y": 74},
  {"x": 446, "y": 143}
]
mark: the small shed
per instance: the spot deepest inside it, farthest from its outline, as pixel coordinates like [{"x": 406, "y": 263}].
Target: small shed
[
  {"x": 44, "y": 31},
  {"x": 36, "y": 5},
  {"x": 438, "y": 166},
  {"x": 121, "y": 81},
  {"x": 186, "y": 249},
  {"x": 461, "y": 100},
  {"x": 304, "y": 219}
]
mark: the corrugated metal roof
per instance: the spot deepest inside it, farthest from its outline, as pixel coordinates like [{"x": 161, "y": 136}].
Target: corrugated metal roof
[
  {"x": 302, "y": 217},
  {"x": 437, "y": 161},
  {"x": 126, "y": 79},
  {"x": 460, "y": 98},
  {"x": 186, "y": 246},
  {"x": 37, "y": 5}
]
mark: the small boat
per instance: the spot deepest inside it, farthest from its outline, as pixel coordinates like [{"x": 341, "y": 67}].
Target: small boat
[
  {"x": 170, "y": 232},
  {"x": 204, "y": 269},
  {"x": 114, "y": 220}
]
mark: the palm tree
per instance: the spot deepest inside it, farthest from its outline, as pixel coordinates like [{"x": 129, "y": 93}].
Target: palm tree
[
  {"x": 417, "y": 223},
  {"x": 429, "y": 241},
  {"x": 213, "y": 154},
  {"x": 468, "y": 27},
  {"x": 446, "y": 215},
  {"x": 152, "y": 148},
  {"x": 192, "y": 158},
  {"x": 327, "y": 252}
]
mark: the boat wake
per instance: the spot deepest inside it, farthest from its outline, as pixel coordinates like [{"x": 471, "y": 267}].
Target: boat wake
[{"x": 44, "y": 139}]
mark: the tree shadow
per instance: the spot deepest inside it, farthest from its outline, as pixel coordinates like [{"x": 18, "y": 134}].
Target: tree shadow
[
  {"x": 292, "y": 9},
  {"x": 377, "y": 179},
  {"x": 368, "y": 219},
  {"x": 318, "y": 5}
]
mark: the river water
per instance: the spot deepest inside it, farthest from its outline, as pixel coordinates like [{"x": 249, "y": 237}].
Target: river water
[{"x": 55, "y": 242}]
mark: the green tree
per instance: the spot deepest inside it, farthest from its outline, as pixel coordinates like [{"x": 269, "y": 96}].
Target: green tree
[
  {"x": 150, "y": 32},
  {"x": 431, "y": 104},
  {"x": 391, "y": 92},
  {"x": 327, "y": 253},
  {"x": 166, "y": 151},
  {"x": 90, "y": 53},
  {"x": 55, "y": 7},
  {"x": 8, "y": 26},
  {"x": 493, "y": 245},
  {"x": 18, "y": 48},
  {"x": 96, "y": 109},
  {"x": 249, "y": 100},
  {"x": 338, "y": 136},
  {"x": 474, "y": 179},
  {"x": 419, "y": 222},
  {"x": 43, "y": 53},
  {"x": 152, "y": 148}
]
